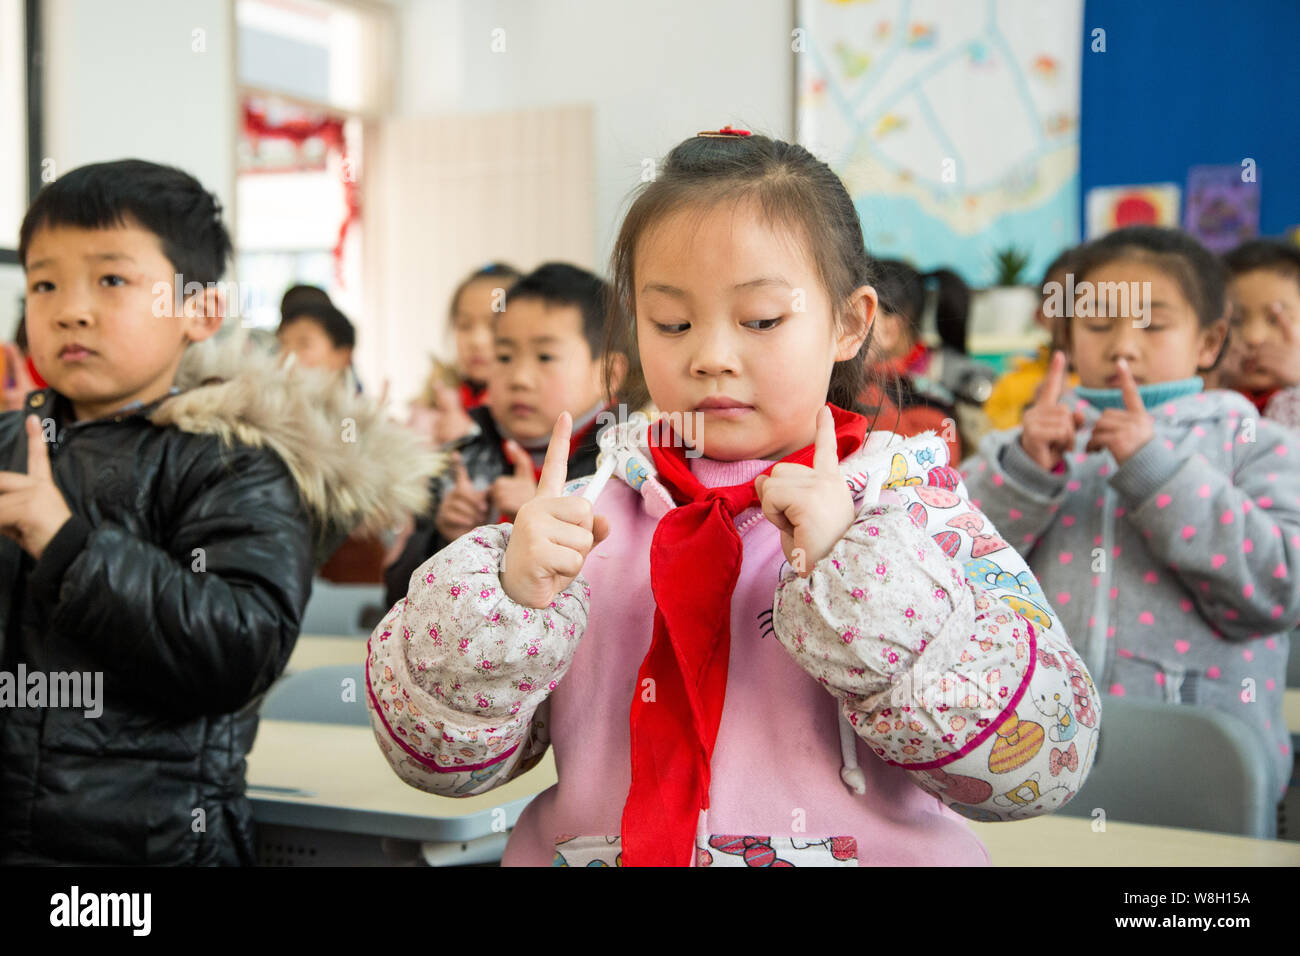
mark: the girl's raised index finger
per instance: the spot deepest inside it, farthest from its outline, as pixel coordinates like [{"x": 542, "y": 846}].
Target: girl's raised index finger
[
  {"x": 826, "y": 452},
  {"x": 555, "y": 469},
  {"x": 1129, "y": 388},
  {"x": 1054, "y": 384}
]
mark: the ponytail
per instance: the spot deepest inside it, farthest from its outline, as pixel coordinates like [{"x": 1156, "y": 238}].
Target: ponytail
[{"x": 952, "y": 307}]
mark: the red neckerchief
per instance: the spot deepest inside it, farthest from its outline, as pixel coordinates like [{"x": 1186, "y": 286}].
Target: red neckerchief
[
  {"x": 695, "y": 558},
  {"x": 36, "y": 376},
  {"x": 913, "y": 363},
  {"x": 472, "y": 394},
  {"x": 575, "y": 442},
  {"x": 1259, "y": 397}
]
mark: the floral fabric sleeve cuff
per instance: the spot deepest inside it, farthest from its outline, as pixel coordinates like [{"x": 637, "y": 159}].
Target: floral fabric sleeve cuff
[
  {"x": 936, "y": 675},
  {"x": 457, "y": 671}
]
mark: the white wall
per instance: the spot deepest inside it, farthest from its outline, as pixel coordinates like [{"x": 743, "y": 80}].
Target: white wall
[
  {"x": 655, "y": 72},
  {"x": 123, "y": 80}
]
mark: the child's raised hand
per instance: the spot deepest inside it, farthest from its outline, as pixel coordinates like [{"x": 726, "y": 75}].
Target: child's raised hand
[
  {"x": 32, "y": 509},
  {"x": 1122, "y": 431},
  {"x": 452, "y": 420},
  {"x": 811, "y": 507},
  {"x": 1048, "y": 427},
  {"x": 17, "y": 383},
  {"x": 552, "y": 534},
  {"x": 1282, "y": 362},
  {"x": 464, "y": 507},
  {"x": 511, "y": 492}
]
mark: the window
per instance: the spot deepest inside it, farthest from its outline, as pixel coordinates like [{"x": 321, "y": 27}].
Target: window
[
  {"x": 309, "y": 73},
  {"x": 18, "y": 134},
  {"x": 13, "y": 122}
]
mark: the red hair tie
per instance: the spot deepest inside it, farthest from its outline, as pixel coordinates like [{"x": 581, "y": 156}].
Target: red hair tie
[{"x": 725, "y": 131}]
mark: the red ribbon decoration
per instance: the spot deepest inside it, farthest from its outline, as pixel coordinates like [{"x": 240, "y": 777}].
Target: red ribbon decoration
[{"x": 329, "y": 130}]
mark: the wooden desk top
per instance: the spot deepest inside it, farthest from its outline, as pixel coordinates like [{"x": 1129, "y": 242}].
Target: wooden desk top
[
  {"x": 317, "y": 650},
  {"x": 1291, "y": 705},
  {"x": 335, "y": 778},
  {"x": 1070, "y": 841}
]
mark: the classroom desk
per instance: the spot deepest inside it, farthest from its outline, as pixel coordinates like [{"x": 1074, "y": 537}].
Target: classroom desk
[
  {"x": 1070, "y": 841},
  {"x": 329, "y": 778},
  {"x": 318, "y": 650},
  {"x": 334, "y": 778},
  {"x": 1291, "y": 707}
]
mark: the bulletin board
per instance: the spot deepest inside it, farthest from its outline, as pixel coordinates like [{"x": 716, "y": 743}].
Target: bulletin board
[
  {"x": 1192, "y": 84},
  {"x": 954, "y": 126}
]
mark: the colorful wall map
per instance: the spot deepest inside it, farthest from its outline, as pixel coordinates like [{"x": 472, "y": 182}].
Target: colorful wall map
[{"x": 955, "y": 125}]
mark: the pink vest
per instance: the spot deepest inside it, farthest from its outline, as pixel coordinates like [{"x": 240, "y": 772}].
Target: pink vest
[{"x": 776, "y": 764}]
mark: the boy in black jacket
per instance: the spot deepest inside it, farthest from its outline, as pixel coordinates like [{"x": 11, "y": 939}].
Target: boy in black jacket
[
  {"x": 548, "y": 347},
  {"x": 156, "y": 547}
]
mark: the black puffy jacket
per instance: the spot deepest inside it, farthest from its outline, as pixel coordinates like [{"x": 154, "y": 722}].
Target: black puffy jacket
[{"x": 182, "y": 578}]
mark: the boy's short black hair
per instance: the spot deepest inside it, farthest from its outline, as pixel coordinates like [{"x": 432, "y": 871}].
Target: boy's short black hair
[
  {"x": 558, "y": 283},
  {"x": 168, "y": 202},
  {"x": 1272, "y": 255},
  {"x": 295, "y": 297},
  {"x": 332, "y": 322},
  {"x": 1199, "y": 273}
]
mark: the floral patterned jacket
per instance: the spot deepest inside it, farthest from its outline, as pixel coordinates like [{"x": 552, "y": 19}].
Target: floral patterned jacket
[{"x": 916, "y": 676}]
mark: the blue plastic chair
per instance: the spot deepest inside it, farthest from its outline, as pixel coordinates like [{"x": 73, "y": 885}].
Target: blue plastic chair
[
  {"x": 338, "y": 608},
  {"x": 320, "y": 695},
  {"x": 1171, "y": 765}
]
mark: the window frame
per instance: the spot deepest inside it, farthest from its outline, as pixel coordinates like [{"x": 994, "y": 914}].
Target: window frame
[{"x": 35, "y": 90}]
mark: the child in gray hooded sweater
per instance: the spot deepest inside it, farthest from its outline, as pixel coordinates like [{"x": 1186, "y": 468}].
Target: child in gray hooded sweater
[{"x": 1162, "y": 521}]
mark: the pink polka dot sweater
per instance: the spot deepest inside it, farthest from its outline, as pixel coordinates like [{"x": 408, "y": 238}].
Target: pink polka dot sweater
[
  {"x": 870, "y": 706},
  {"x": 1175, "y": 574}
]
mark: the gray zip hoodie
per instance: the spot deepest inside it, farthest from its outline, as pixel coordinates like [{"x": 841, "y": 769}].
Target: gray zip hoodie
[{"x": 1176, "y": 574}]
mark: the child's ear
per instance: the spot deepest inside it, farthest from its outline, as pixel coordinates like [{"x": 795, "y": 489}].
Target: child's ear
[
  {"x": 858, "y": 317},
  {"x": 204, "y": 313},
  {"x": 617, "y": 373},
  {"x": 1214, "y": 343}
]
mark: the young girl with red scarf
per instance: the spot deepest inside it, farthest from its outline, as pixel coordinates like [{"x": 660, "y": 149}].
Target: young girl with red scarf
[
  {"x": 440, "y": 414},
  {"x": 778, "y": 637}
]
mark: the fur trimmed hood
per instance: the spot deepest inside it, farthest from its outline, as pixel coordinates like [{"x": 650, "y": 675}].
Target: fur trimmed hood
[{"x": 356, "y": 469}]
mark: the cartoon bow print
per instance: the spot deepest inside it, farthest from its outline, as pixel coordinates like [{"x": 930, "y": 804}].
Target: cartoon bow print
[{"x": 1059, "y": 760}]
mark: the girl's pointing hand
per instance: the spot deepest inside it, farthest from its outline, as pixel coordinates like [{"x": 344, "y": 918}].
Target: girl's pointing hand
[
  {"x": 552, "y": 534},
  {"x": 811, "y": 507}
]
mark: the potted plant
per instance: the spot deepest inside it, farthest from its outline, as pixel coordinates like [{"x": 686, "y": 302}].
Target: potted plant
[{"x": 1002, "y": 315}]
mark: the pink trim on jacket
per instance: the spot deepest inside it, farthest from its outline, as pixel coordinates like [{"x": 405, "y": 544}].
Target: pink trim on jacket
[
  {"x": 420, "y": 758},
  {"x": 1007, "y": 711}
]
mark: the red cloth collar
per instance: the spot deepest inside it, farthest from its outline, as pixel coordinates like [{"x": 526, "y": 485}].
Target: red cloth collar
[
  {"x": 1259, "y": 398},
  {"x": 472, "y": 394},
  {"x": 36, "y": 376},
  {"x": 913, "y": 363},
  {"x": 695, "y": 558}
]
